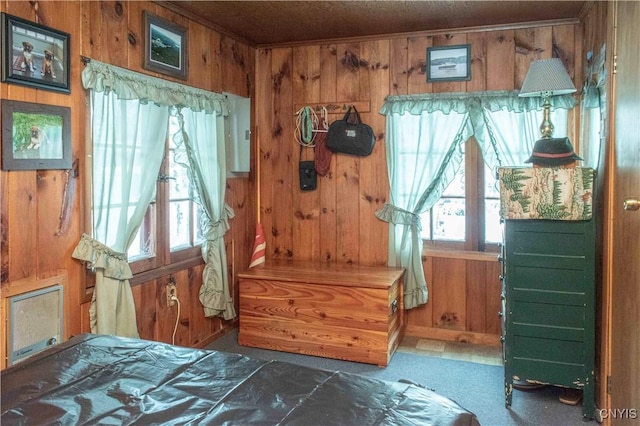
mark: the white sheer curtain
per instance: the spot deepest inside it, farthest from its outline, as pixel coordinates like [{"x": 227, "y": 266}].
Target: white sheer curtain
[
  {"x": 130, "y": 113},
  {"x": 128, "y": 145},
  {"x": 593, "y": 119},
  {"x": 205, "y": 160},
  {"x": 424, "y": 134},
  {"x": 423, "y": 155}
]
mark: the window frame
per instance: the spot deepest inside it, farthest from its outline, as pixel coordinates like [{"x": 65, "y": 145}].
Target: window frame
[
  {"x": 158, "y": 217},
  {"x": 474, "y": 207}
]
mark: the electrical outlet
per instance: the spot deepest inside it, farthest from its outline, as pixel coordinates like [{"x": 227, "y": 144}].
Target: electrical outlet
[{"x": 172, "y": 293}]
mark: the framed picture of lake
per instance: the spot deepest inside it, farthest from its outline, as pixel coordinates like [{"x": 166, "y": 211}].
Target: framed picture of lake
[
  {"x": 34, "y": 55},
  {"x": 35, "y": 136},
  {"x": 449, "y": 63},
  {"x": 165, "y": 47}
]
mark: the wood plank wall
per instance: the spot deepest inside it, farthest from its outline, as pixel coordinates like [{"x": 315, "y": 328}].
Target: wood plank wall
[
  {"x": 336, "y": 222},
  {"x": 32, "y": 252}
]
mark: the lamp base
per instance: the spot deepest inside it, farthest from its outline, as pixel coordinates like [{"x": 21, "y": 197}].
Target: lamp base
[{"x": 546, "y": 128}]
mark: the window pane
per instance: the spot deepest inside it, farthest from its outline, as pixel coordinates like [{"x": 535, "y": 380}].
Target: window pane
[
  {"x": 456, "y": 187},
  {"x": 492, "y": 229},
  {"x": 180, "y": 225},
  {"x": 142, "y": 246},
  {"x": 425, "y": 221},
  {"x": 491, "y": 184},
  {"x": 449, "y": 219},
  {"x": 179, "y": 183},
  {"x": 198, "y": 223}
]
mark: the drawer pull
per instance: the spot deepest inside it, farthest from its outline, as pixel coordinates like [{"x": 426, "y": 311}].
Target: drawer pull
[{"x": 394, "y": 306}]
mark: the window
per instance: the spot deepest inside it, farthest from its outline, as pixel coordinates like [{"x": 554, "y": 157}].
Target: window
[
  {"x": 173, "y": 221},
  {"x": 140, "y": 204},
  {"x": 466, "y": 216}
]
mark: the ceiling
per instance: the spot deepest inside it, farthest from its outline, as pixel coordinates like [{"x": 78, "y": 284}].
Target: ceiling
[{"x": 276, "y": 22}]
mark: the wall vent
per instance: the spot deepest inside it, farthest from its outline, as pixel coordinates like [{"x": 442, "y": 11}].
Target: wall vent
[{"x": 35, "y": 322}]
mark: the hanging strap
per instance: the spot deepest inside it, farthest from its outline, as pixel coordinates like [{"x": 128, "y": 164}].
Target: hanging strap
[{"x": 306, "y": 123}]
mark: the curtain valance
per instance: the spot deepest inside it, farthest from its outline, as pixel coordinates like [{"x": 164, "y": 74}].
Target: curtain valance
[
  {"x": 127, "y": 84},
  {"x": 464, "y": 102}
]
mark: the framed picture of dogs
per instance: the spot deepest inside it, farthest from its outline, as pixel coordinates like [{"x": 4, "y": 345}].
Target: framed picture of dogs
[
  {"x": 165, "y": 47},
  {"x": 35, "y": 136},
  {"x": 34, "y": 55}
]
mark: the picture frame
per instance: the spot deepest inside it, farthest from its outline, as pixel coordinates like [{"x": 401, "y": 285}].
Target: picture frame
[
  {"x": 449, "y": 63},
  {"x": 34, "y": 55},
  {"x": 165, "y": 47},
  {"x": 35, "y": 136}
]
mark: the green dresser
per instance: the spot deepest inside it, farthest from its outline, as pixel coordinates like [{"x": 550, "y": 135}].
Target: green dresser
[{"x": 548, "y": 292}]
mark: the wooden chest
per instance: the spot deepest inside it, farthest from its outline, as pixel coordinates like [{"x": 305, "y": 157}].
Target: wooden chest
[{"x": 341, "y": 311}]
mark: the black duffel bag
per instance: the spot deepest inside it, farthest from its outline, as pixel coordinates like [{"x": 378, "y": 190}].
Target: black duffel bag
[{"x": 350, "y": 135}]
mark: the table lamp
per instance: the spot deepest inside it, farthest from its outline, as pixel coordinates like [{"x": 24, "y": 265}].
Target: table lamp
[{"x": 546, "y": 78}]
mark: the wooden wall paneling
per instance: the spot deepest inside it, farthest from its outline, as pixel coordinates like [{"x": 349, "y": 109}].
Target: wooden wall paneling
[
  {"x": 449, "y": 293},
  {"x": 240, "y": 235},
  {"x": 530, "y": 44},
  {"x": 282, "y": 147},
  {"x": 501, "y": 60},
  {"x": 135, "y": 33},
  {"x": 327, "y": 183},
  {"x": 147, "y": 308},
  {"x": 305, "y": 218},
  {"x": 165, "y": 315},
  {"x": 4, "y": 229},
  {"x": 476, "y": 289},
  {"x": 52, "y": 250},
  {"x": 262, "y": 153},
  {"x": 348, "y": 167},
  {"x": 200, "y": 327},
  {"x": 374, "y": 181},
  {"x": 478, "y": 42},
  {"x": 22, "y": 218},
  {"x": 112, "y": 42},
  {"x": 417, "y": 63},
  {"x": 184, "y": 313},
  {"x": 421, "y": 318},
  {"x": 564, "y": 47},
  {"x": 85, "y": 326},
  {"x": 492, "y": 298},
  {"x": 212, "y": 60},
  {"x": 449, "y": 40},
  {"x": 235, "y": 67},
  {"x": 398, "y": 66},
  {"x": 200, "y": 61}
]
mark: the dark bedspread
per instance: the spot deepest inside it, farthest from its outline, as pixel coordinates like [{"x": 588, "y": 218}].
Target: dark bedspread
[{"x": 107, "y": 380}]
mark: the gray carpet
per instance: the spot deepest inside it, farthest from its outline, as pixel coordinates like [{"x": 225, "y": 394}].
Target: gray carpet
[{"x": 477, "y": 387}]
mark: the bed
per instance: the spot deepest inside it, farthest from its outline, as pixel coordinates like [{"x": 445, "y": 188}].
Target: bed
[{"x": 99, "y": 379}]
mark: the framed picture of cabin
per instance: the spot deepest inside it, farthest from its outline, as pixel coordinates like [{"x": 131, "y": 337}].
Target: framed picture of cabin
[
  {"x": 35, "y": 136},
  {"x": 449, "y": 63},
  {"x": 34, "y": 55},
  {"x": 165, "y": 47}
]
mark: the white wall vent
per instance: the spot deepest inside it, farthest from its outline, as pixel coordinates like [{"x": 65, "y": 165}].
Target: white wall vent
[{"x": 35, "y": 322}]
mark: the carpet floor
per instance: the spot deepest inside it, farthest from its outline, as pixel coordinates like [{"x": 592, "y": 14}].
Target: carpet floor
[{"x": 477, "y": 386}]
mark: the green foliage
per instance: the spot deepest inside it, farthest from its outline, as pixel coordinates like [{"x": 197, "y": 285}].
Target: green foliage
[
  {"x": 512, "y": 179},
  {"x": 552, "y": 211},
  {"x": 22, "y": 123}
]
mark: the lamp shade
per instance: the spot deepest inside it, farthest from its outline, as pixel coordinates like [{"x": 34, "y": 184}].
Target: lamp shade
[{"x": 547, "y": 77}]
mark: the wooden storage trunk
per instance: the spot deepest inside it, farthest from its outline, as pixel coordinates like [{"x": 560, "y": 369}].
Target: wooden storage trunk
[{"x": 331, "y": 310}]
